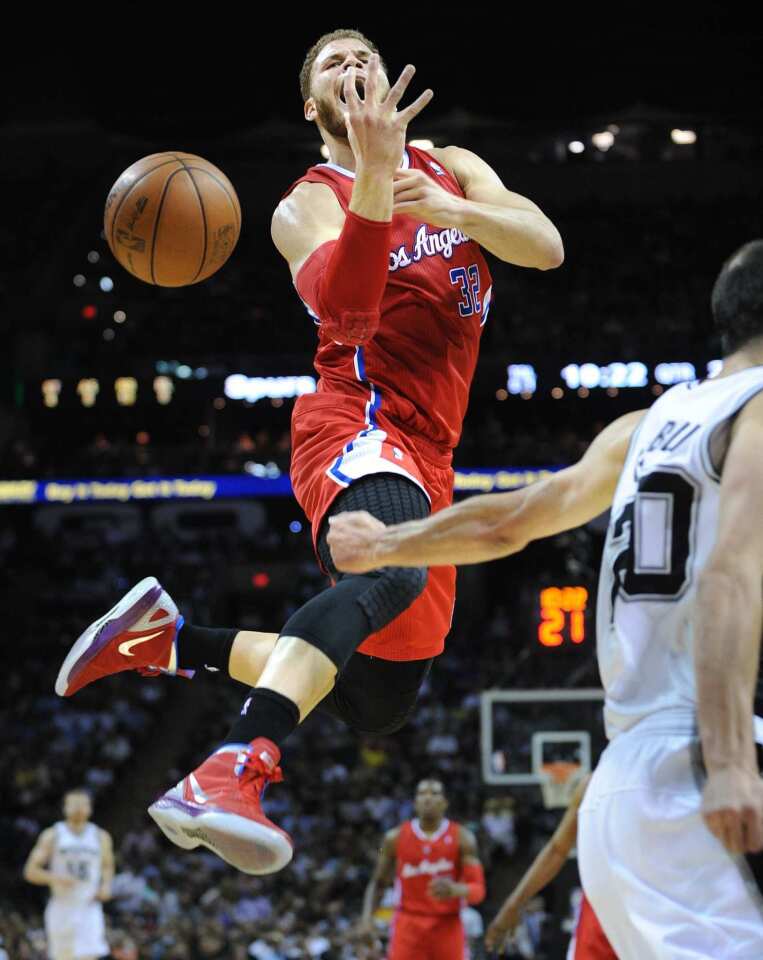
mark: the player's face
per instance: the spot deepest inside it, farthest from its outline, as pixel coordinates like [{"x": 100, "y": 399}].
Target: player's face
[
  {"x": 77, "y": 807},
  {"x": 326, "y": 105},
  {"x": 430, "y": 799}
]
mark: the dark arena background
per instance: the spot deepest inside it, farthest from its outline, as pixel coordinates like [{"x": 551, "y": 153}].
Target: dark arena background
[{"x": 145, "y": 431}]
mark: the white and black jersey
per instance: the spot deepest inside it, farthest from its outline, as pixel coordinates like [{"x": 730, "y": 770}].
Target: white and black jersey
[
  {"x": 663, "y": 526},
  {"x": 77, "y": 855}
]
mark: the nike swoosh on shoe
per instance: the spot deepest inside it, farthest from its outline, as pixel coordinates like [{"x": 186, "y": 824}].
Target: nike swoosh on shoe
[{"x": 125, "y": 648}]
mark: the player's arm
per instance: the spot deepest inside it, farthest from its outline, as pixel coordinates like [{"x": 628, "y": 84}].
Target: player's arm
[
  {"x": 107, "y": 866},
  {"x": 540, "y": 873},
  {"x": 727, "y": 633},
  {"x": 471, "y": 881},
  {"x": 491, "y": 525},
  {"x": 339, "y": 263},
  {"x": 383, "y": 875},
  {"x": 35, "y": 868},
  {"x": 505, "y": 223}
]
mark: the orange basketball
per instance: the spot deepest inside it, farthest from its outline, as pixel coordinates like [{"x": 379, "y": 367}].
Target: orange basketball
[{"x": 172, "y": 219}]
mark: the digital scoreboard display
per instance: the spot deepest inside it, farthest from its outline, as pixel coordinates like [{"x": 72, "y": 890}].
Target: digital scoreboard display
[{"x": 562, "y": 616}]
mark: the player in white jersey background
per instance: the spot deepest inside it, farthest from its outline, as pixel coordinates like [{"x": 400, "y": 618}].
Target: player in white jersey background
[
  {"x": 75, "y": 859},
  {"x": 677, "y": 798}
]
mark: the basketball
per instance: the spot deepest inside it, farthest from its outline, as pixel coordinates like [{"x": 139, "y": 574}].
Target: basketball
[{"x": 172, "y": 219}]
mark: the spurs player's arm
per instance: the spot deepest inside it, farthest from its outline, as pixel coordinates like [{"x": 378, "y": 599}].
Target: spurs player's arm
[
  {"x": 107, "y": 866},
  {"x": 339, "y": 263},
  {"x": 540, "y": 873},
  {"x": 727, "y": 634},
  {"x": 492, "y": 525},
  {"x": 471, "y": 883},
  {"x": 36, "y": 867},
  {"x": 507, "y": 224},
  {"x": 383, "y": 875}
]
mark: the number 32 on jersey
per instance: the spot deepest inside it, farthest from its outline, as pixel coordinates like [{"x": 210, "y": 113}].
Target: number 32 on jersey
[{"x": 467, "y": 279}]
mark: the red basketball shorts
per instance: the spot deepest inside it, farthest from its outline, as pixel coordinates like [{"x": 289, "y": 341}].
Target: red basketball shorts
[
  {"x": 418, "y": 936},
  {"x": 333, "y": 444},
  {"x": 589, "y": 941}
]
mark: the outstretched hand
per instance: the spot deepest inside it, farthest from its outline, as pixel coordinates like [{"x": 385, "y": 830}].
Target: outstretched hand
[{"x": 375, "y": 127}]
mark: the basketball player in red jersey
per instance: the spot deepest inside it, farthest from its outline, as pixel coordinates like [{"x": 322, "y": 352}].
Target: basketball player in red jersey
[
  {"x": 589, "y": 942},
  {"x": 434, "y": 864},
  {"x": 383, "y": 244}
]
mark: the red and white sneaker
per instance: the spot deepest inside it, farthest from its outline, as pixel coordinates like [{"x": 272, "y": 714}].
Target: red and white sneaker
[
  {"x": 219, "y": 806},
  {"x": 138, "y": 633}
]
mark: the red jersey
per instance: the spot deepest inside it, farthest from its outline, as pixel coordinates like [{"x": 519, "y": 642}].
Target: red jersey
[
  {"x": 421, "y": 858},
  {"x": 419, "y": 365}
]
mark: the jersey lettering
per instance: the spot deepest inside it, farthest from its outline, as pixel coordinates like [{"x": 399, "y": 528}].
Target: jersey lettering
[{"x": 655, "y": 531}]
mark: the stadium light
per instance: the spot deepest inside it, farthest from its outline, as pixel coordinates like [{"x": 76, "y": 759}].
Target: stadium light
[
  {"x": 51, "y": 390},
  {"x": 324, "y": 151},
  {"x": 88, "y": 389},
  {"x": 575, "y": 146},
  {"x": 683, "y": 137},
  {"x": 106, "y": 284},
  {"x": 603, "y": 140}
]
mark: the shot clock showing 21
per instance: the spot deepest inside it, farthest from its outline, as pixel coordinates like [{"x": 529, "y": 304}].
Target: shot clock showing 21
[{"x": 172, "y": 219}]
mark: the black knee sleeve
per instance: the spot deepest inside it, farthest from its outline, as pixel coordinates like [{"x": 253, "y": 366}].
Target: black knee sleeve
[
  {"x": 386, "y": 496},
  {"x": 338, "y": 620}
]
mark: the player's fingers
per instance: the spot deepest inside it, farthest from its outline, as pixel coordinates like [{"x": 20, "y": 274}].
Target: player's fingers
[
  {"x": 412, "y": 193},
  {"x": 410, "y": 183},
  {"x": 372, "y": 78},
  {"x": 721, "y": 831},
  {"x": 406, "y": 209},
  {"x": 402, "y": 178},
  {"x": 750, "y": 829},
  {"x": 351, "y": 97},
  {"x": 714, "y": 823},
  {"x": 396, "y": 92},
  {"x": 732, "y": 830},
  {"x": 415, "y": 108}
]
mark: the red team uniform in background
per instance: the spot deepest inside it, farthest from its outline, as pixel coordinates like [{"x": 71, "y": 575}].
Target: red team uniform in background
[
  {"x": 424, "y": 928},
  {"x": 397, "y": 403}
]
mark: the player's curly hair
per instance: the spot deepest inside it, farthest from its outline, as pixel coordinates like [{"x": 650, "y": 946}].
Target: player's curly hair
[
  {"x": 737, "y": 299},
  {"x": 320, "y": 43}
]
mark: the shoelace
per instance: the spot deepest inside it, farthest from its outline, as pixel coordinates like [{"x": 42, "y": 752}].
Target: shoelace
[
  {"x": 255, "y": 770},
  {"x": 152, "y": 672},
  {"x": 149, "y": 671}
]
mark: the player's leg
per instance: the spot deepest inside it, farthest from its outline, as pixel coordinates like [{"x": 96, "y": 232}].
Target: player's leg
[
  {"x": 408, "y": 935},
  {"x": 320, "y": 638},
  {"x": 376, "y": 696},
  {"x": 219, "y": 804},
  {"x": 59, "y": 931},
  {"x": 447, "y": 941},
  {"x": 145, "y": 632}
]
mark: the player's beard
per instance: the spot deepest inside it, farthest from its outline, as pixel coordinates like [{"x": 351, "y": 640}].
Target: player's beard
[{"x": 331, "y": 118}]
